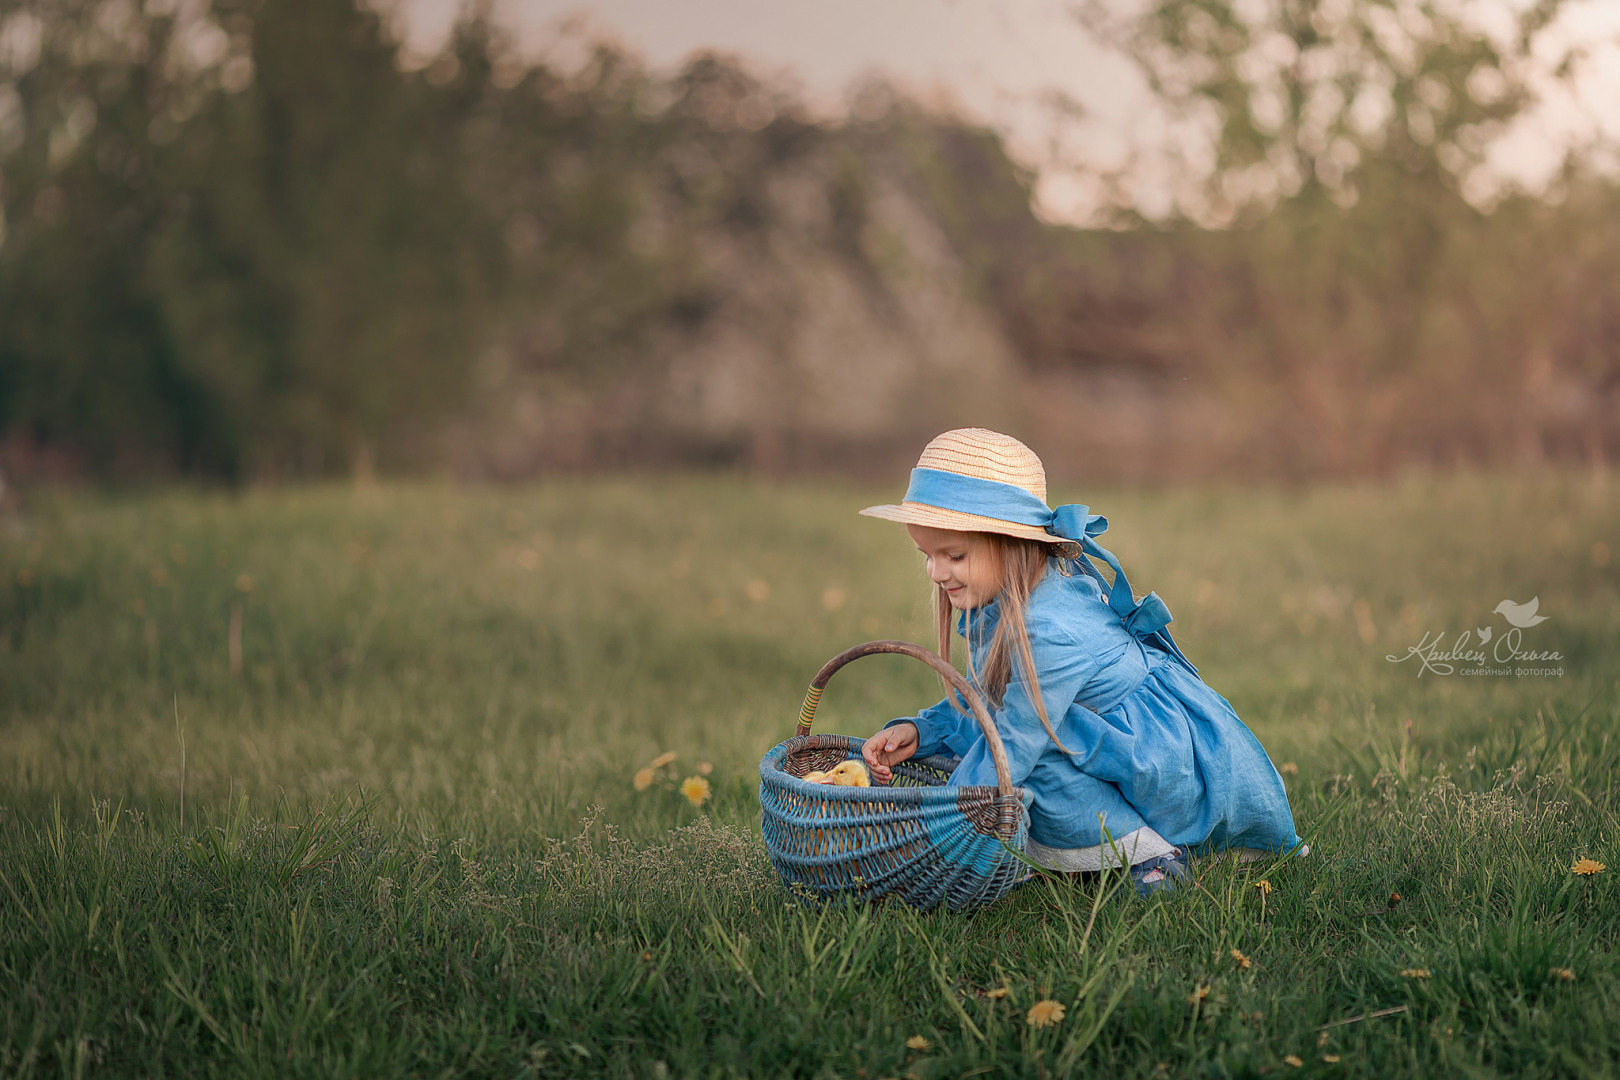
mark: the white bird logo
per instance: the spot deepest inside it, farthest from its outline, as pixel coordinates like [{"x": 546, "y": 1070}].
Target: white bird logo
[
  {"x": 1484, "y": 633},
  {"x": 1521, "y": 615}
]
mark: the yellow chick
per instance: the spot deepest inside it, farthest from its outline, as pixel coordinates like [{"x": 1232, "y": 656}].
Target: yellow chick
[
  {"x": 817, "y": 777},
  {"x": 849, "y": 774}
]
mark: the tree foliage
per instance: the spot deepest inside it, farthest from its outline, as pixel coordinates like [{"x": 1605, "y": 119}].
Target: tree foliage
[
  {"x": 1306, "y": 100},
  {"x": 241, "y": 240},
  {"x": 254, "y": 239},
  {"x": 1369, "y": 289}
]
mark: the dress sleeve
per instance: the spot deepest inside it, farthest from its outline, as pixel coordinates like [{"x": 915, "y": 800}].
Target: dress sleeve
[
  {"x": 1064, "y": 666},
  {"x": 942, "y": 728}
]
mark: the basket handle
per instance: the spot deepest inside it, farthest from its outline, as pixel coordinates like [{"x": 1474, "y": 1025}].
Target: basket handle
[{"x": 998, "y": 752}]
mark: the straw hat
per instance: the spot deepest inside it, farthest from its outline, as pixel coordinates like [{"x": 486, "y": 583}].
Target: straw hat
[{"x": 983, "y": 455}]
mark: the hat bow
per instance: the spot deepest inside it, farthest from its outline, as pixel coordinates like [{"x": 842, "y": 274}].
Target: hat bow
[{"x": 1145, "y": 619}]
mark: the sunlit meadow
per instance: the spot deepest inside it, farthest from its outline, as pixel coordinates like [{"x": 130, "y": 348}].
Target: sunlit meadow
[{"x": 411, "y": 780}]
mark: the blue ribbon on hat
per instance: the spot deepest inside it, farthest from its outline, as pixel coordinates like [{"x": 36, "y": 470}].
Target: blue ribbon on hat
[{"x": 1146, "y": 619}]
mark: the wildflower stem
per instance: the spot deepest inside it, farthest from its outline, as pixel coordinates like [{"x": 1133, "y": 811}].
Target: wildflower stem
[
  {"x": 949, "y": 994},
  {"x": 1363, "y": 1016}
]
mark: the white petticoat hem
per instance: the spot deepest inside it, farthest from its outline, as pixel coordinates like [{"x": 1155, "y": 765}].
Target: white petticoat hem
[{"x": 1138, "y": 846}]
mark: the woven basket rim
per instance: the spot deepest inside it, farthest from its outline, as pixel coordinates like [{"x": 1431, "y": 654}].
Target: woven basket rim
[{"x": 771, "y": 772}]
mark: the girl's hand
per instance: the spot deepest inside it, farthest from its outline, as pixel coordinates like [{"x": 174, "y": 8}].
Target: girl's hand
[{"x": 888, "y": 747}]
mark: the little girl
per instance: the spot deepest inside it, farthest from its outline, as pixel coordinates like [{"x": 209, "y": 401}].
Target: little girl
[{"x": 1123, "y": 746}]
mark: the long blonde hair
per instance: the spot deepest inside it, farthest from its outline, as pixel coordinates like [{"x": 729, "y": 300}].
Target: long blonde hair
[{"x": 1020, "y": 564}]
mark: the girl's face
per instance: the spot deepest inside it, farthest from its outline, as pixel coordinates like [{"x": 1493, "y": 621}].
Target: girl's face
[{"x": 961, "y": 563}]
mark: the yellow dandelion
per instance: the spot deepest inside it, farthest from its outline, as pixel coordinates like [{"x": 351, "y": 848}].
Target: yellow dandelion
[
  {"x": 1198, "y": 994},
  {"x": 1288, "y": 768},
  {"x": 1293, "y": 1059},
  {"x": 661, "y": 760},
  {"x": 1415, "y": 973},
  {"x": 1331, "y": 1059},
  {"x": 705, "y": 767},
  {"x": 1264, "y": 886},
  {"x": 1242, "y": 961},
  {"x": 996, "y": 993},
  {"x": 1587, "y": 867},
  {"x": 1045, "y": 1013},
  {"x": 696, "y": 790},
  {"x": 644, "y": 779},
  {"x": 1567, "y": 974},
  {"x": 917, "y": 1042}
]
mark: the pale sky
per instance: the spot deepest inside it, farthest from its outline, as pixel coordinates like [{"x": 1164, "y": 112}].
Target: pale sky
[{"x": 997, "y": 60}]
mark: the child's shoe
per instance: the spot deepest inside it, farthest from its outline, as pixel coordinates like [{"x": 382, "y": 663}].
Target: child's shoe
[{"x": 1162, "y": 874}]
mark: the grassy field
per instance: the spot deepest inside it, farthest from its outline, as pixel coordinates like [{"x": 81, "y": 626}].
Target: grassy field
[{"x": 338, "y": 782}]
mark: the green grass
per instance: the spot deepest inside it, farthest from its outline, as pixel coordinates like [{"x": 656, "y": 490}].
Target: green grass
[{"x": 410, "y": 842}]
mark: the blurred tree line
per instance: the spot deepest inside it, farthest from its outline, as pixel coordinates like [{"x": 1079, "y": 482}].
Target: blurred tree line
[
  {"x": 247, "y": 240},
  {"x": 1367, "y": 298},
  {"x": 240, "y": 239}
]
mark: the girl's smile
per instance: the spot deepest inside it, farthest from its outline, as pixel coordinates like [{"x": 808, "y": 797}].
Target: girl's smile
[{"x": 960, "y": 563}]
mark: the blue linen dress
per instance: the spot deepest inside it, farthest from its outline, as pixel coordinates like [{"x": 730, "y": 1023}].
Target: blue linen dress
[{"x": 1151, "y": 743}]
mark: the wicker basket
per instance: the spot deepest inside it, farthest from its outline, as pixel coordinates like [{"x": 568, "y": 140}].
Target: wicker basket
[{"x": 916, "y": 839}]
